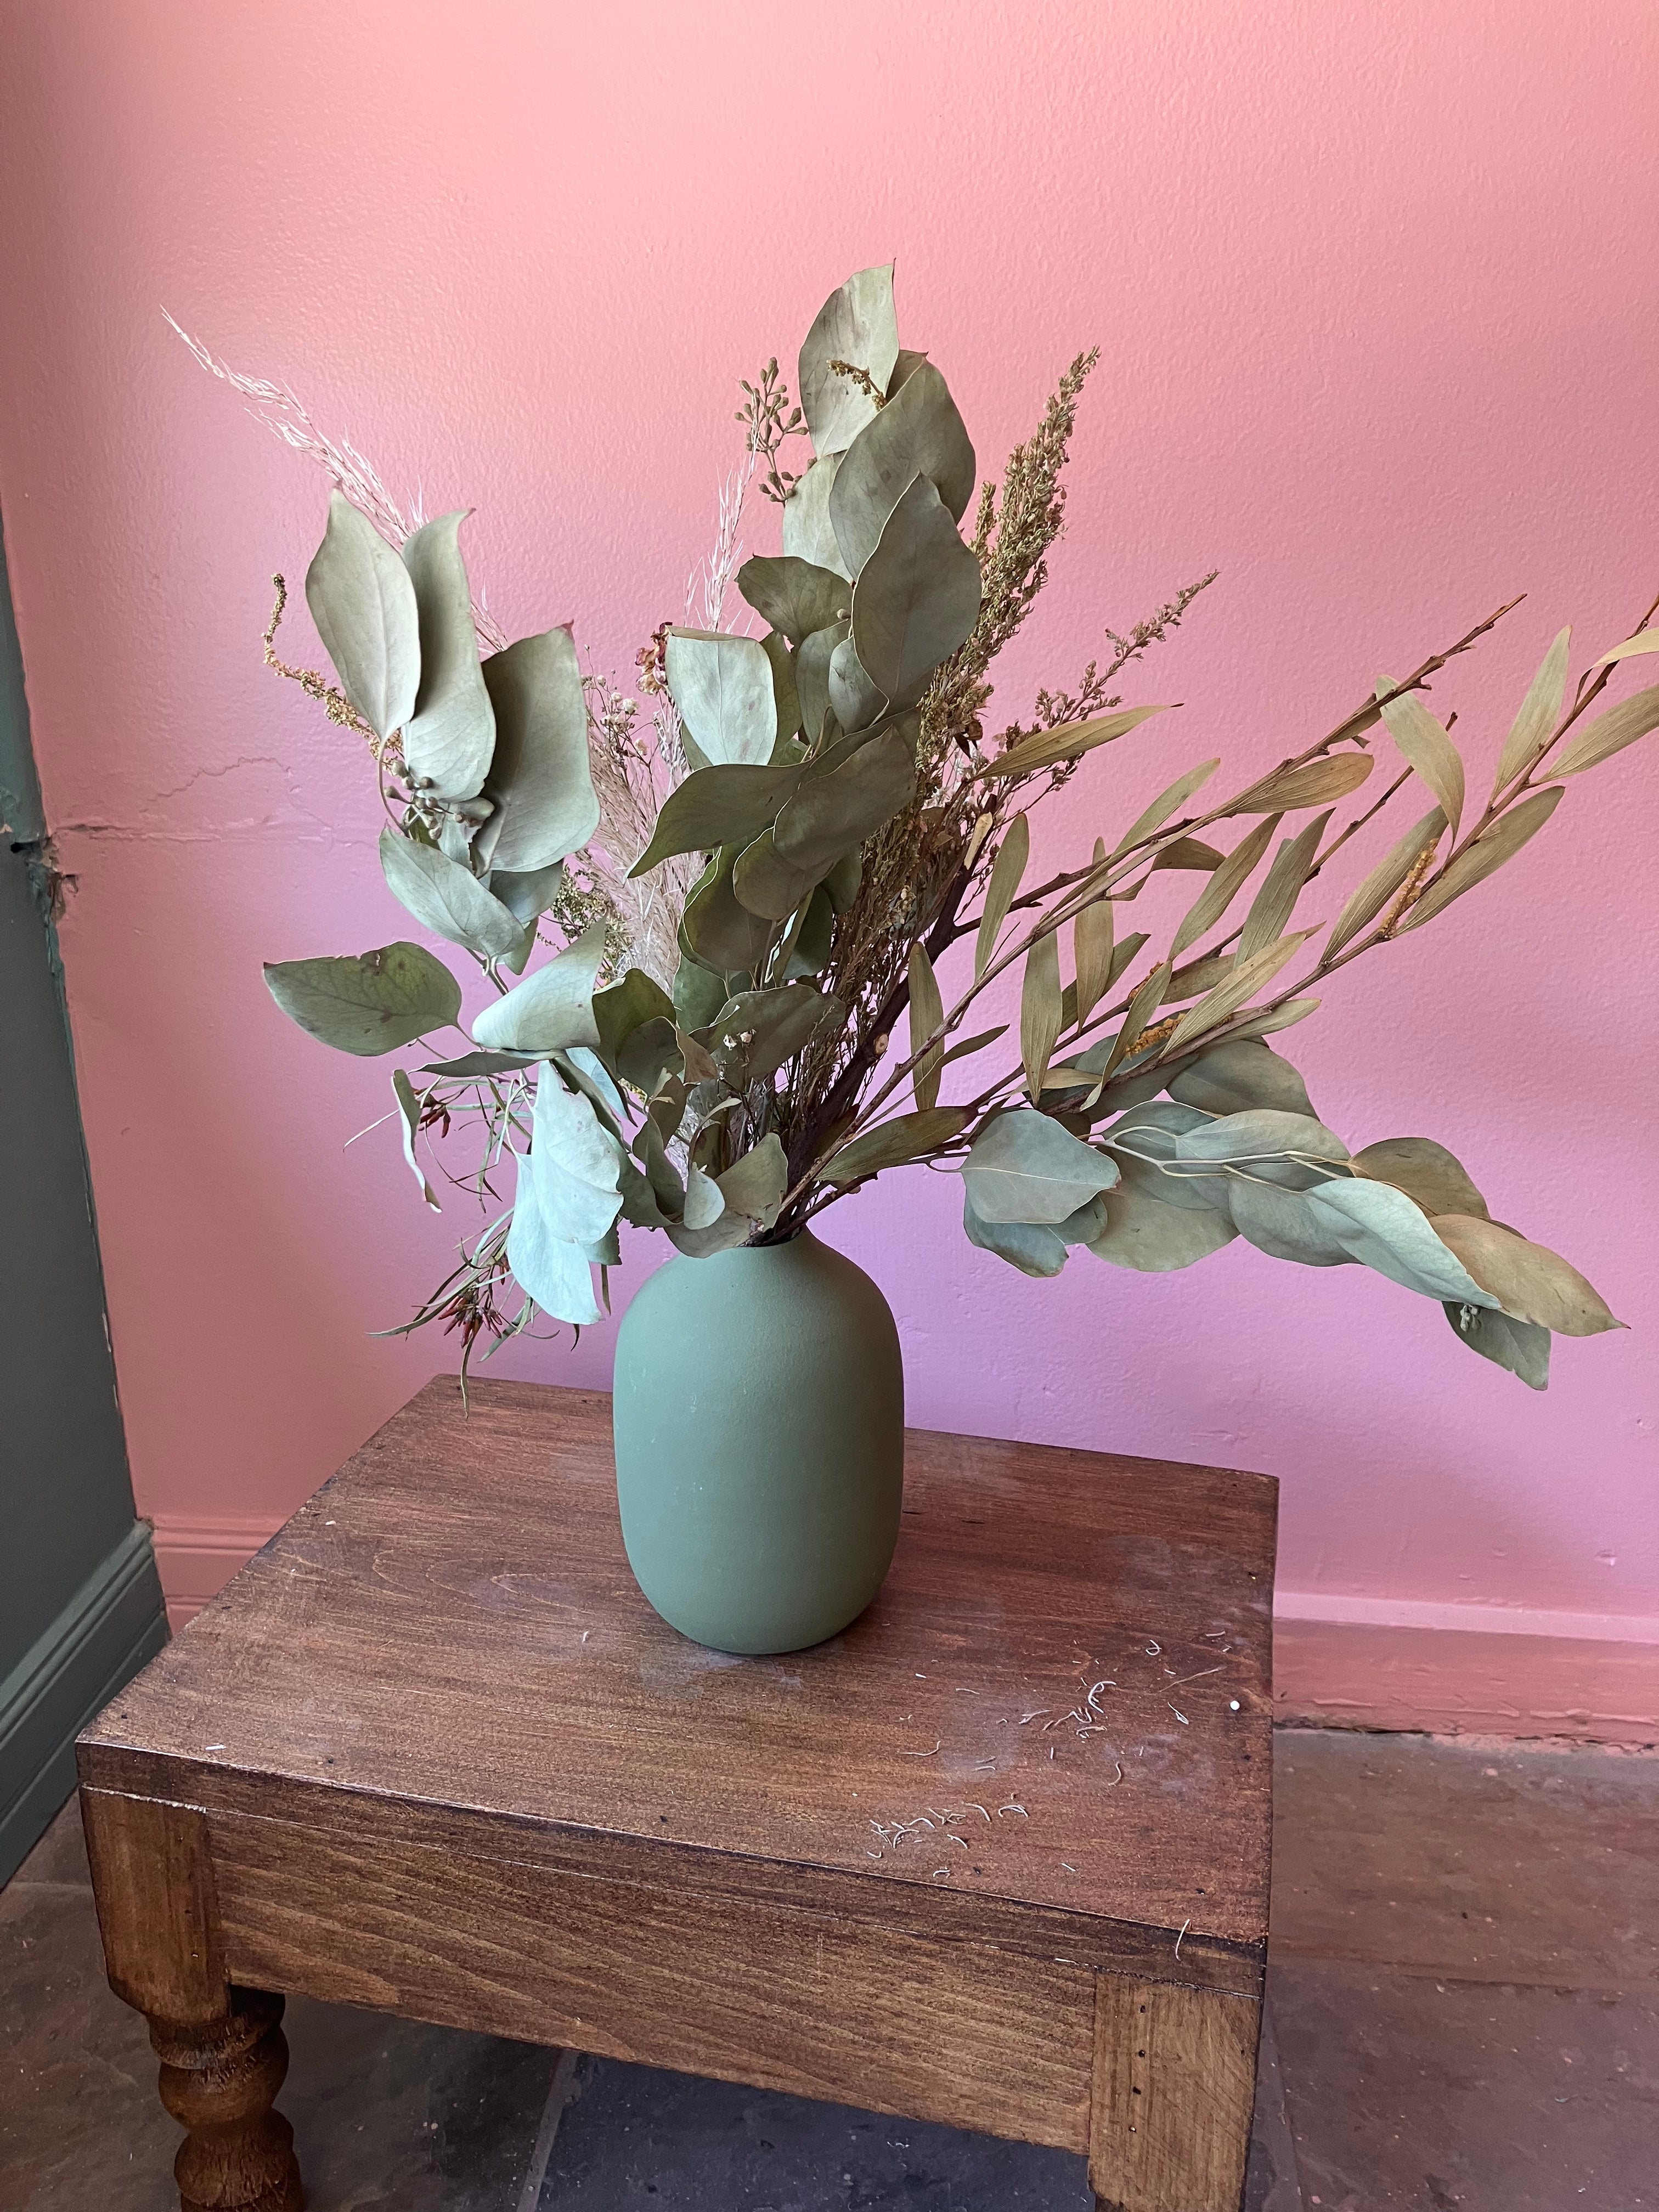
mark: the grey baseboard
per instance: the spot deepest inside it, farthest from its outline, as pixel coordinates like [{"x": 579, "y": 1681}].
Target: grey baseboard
[{"x": 115, "y": 1621}]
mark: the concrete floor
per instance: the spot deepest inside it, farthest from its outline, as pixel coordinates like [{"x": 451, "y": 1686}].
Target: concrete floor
[{"x": 1464, "y": 1992}]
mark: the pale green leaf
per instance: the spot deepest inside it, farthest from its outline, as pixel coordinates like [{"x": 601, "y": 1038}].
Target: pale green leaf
[
  {"x": 1275, "y": 902},
  {"x": 755, "y": 1185},
  {"x": 1540, "y": 712},
  {"x": 1040, "y": 1011},
  {"x": 917, "y": 597},
  {"x": 909, "y": 1136},
  {"x": 854, "y": 701},
  {"x": 1145, "y": 1233},
  {"x": 1048, "y": 748},
  {"x": 1485, "y": 856},
  {"x": 808, "y": 533},
  {"x": 470, "y": 1066},
  {"x": 1610, "y": 733},
  {"x": 1237, "y": 1074},
  {"x": 450, "y": 738},
  {"x": 362, "y": 602},
  {"x": 448, "y": 898},
  {"x": 1385, "y": 880},
  {"x": 1024, "y": 1166},
  {"x": 786, "y": 698},
  {"x": 526, "y": 896},
  {"x": 1031, "y": 1248},
  {"x": 1165, "y": 806},
  {"x": 722, "y": 932},
  {"x": 1223, "y": 886},
  {"x": 831, "y": 814},
  {"x": 539, "y": 782},
  {"x": 1006, "y": 870},
  {"x": 722, "y": 686},
  {"x": 549, "y": 1270},
  {"x": 918, "y": 433},
  {"x": 769, "y": 886},
  {"x": 551, "y": 1010},
  {"x": 716, "y": 806},
  {"x": 705, "y": 1201},
  {"x": 369, "y": 1005},
  {"x": 794, "y": 596},
  {"x": 754, "y": 1032},
  {"x": 1387, "y": 1230},
  {"x": 926, "y": 1014},
  {"x": 1515, "y": 1345},
  {"x": 409, "y": 1114},
  {"x": 855, "y": 325},
  {"x": 813, "y": 677},
  {"x": 1423, "y": 743},
  {"x": 1282, "y": 1223}
]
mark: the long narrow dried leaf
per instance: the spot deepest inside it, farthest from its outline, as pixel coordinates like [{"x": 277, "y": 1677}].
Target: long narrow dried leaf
[
  {"x": 906, "y": 1138},
  {"x": 1092, "y": 948},
  {"x": 1165, "y": 804},
  {"x": 926, "y": 1012},
  {"x": 1006, "y": 870},
  {"x": 1280, "y": 1017},
  {"x": 1247, "y": 977},
  {"x": 1540, "y": 712},
  {"x": 1486, "y": 856},
  {"x": 1384, "y": 880},
  {"x": 1040, "y": 1011},
  {"x": 1317, "y": 783},
  {"x": 1223, "y": 885},
  {"x": 1141, "y": 1009},
  {"x": 1611, "y": 733},
  {"x": 1275, "y": 902},
  {"x": 1424, "y": 743},
  {"x": 1645, "y": 640},
  {"x": 1047, "y": 748}
]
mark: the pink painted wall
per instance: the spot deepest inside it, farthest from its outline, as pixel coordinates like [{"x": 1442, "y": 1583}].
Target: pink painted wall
[{"x": 1375, "y": 287}]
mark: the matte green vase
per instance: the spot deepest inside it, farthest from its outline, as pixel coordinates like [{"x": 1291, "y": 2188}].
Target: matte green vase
[{"x": 760, "y": 1444}]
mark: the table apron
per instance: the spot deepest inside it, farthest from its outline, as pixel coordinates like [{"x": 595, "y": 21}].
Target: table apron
[{"x": 781, "y": 1998}]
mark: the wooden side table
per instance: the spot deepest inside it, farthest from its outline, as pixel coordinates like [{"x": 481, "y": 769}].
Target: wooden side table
[{"x": 997, "y": 1856}]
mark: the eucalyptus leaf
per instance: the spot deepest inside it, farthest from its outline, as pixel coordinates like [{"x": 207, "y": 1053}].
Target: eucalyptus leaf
[
  {"x": 890, "y": 1145},
  {"x": 369, "y": 1005},
  {"x": 1540, "y": 712},
  {"x": 1519, "y": 1347},
  {"x": 1029, "y": 1246},
  {"x": 551, "y": 1010},
  {"x": 634, "y": 999},
  {"x": 699, "y": 994},
  {"x": 754, "y": 1033},
  {"x": 362, "y": 602},
  {"x": 1512, "y": 830},
  {"x": 584, "y": 1070},
  {"x": 721, "y": 932},
  {"x": 754, "y": 1184},
  {"x": 409, "y": 1114},
  {"x": 926, "y": 1018},
  {"x": 1069, "y": 742},
  {"x": 1388, "y": 1231},
  {"x": 450, "y": 738},
  {"x": 1315, "y": 784},
  {"x": 917, "y": 597},
  {"x": 918, "y": 433},
  {"x": 661, "y": 1172},
  {"x": 1006, "y": 870},
  {"x": 1282, "y": 1224},
  {"x": 808, "y": 533},
  {"x": 1422, "y": 742},
  {"x": 1237, "y": 1074},
  {"x": 705, "y": 1201},
  {"x": 722, "y": 686},
  {"x": 854, "y": 701},
  {"x": 1385, "y": 880},
  {"x": 794, "y": 596},
  {"x": 830, "y": 815},
  {"x": 767, "y": 883},
  {"x": 1154, "y": 1238},
  {"x": 1425, "y": 1171},
  {"x": 526, "y": 894},
  {"x": 574, "y": 1165},
  {"x": 814, "y": 938},
  {"x": 470, "y": 1066},
  {"x": 540, "y": 780},
  {"x": 1023, "y": 1166},
  {"x": 812, "y": 677},
  {"x": 856, "y": 325},
  {"x": 1528, "y": 1281},
  {"x": 785, "y": 698},
  {"x": 714, "y": 807},
  {"x": 448, "y": 898},
  {"x": 1610, "y": 733},
  {"x": 549, "y": 1270}
]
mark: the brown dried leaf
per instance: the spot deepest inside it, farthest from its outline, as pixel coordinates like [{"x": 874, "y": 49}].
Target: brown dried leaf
[
  {"x": 1611, "y": 733},
  {"x": 1485, "y": 856},
  {"x": 1315, "y": 784},
  {"x": 1530, "y": 1282}
]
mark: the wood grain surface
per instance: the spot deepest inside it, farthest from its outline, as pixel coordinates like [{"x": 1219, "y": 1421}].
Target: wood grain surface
[
  {"x": 445, "y": 1646},
  {"x": 1175, "y": 2082}
]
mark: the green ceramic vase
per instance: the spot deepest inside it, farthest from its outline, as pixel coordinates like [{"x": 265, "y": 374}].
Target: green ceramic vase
[{"x": 760, "y": 1444}]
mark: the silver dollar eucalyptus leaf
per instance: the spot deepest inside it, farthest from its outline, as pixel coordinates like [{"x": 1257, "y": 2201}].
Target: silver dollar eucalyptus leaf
[
  {"x": 854, "y": 699},
  {"x": 767, "y": 883},
  {"x": 812, "y": 677},
  {"x": 722, "y": 686},
  {"x": 808, "y": 533},
  {"x": 856, "y": 325},
  {"x": 363, "y": 605},
  {"x": 1519, "y": 1347},
  {"x": 1029, "y": 1246},
  {"x": 754, "y": 1032},
  {"x": 526, "y": 896},
  {"x": 1388, "y": 1231},
  {"x": 369, "y": 1005},
  {"x": 448, "y": 898},
  {"x": 723, "y": 933},
  {"x": 1529, "y": 1281},
  {"x": 539, "y": 782},
  {"x": 550, "y": 1270},
  {"x": 449, "y": 739},
  {"x": 754, "y": 1184},
  {"x": 1282, "y": 1223},
  {"x": 1024, "y": 1167},
  {"x": 831, "y": 814},
  {"x": 1425, "y": 1171},
  {"x": 917, "y": 597},
  {"x": 919, "y": 433},
  {"x": 574, "y": 1163},
  {"x": 1238, "y": 1074},
  {"x": 1154, "y": 1238},
  {"x": 551, "y": 1010},
  {"x": 785, "y": 696},
  {"x": 716, "y": 806},
  {"x": 795, "y": 596}
]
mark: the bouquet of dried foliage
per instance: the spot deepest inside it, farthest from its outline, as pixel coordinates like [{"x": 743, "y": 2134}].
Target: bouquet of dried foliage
[{"x": 758, "y": 883}]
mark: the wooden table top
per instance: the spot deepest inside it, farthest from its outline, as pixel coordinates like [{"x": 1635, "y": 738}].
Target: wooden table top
[{"x": 1051, "y": 1731}]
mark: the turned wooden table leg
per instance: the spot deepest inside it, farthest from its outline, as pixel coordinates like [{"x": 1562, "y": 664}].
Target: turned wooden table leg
[
  {"x": 1173, "y": 2096},
  {"x": 221, "y": 2049}
]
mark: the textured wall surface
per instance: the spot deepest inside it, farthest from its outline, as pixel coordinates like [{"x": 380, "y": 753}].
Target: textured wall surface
[{"x": 1375, "y": 292}]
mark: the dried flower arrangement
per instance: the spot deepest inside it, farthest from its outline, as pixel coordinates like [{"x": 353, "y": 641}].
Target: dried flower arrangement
[{"x": 756, "y": 880}]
